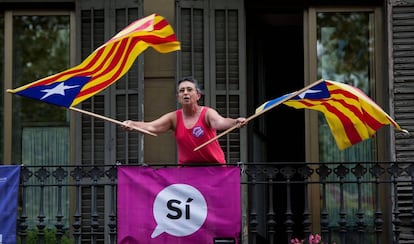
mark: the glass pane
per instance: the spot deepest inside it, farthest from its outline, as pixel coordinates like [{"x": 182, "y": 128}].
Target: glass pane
[
  {"x": 345, "y": 49},
  {"x": 40, "y": 49},
  {"x": 345, "y": 44}
]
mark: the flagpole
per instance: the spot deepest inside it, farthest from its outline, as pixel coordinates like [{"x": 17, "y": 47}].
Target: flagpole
[
  {"x": 294, "y": 94},
  {"x": 111, "y": 120}
]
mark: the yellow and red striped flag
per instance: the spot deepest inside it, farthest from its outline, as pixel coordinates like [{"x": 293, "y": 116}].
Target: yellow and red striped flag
[
  {"x": 105, "y": 65},
  {"x": 351, "y": 115}
]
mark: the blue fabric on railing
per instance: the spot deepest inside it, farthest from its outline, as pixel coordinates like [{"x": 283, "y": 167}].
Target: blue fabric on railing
[{"x": 9, "y": 188}]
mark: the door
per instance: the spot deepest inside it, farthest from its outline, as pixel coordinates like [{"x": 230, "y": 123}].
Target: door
[
  {"x": 275, "y": 54},
  {"x": 344, "y": 45}
]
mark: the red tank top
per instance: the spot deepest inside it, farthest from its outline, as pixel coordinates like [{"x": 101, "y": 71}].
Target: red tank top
[{"x": 188, "y": 139}]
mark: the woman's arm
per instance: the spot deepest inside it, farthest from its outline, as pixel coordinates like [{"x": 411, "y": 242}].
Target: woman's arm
[
  {"x": 160, "y": 125},
  {"x": 218, "y": 122}
]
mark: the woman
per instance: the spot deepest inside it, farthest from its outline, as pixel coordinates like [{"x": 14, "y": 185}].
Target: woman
[{"x": 192, "y": 125}]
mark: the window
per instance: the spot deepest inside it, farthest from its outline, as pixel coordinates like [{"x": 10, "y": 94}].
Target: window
[
  {"x": 47, "y": 54},
  {"x": 345, "y": 46}
]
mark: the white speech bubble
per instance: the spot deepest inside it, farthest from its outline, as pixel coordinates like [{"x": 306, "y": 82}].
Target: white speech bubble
[{"x": 179, "y": 210}]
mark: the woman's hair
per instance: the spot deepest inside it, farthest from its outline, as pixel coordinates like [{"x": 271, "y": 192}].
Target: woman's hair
[{"x": 192, "y": 80}]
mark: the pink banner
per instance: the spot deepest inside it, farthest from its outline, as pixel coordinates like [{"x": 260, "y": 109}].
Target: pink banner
[{"x": 178, "y": 205}]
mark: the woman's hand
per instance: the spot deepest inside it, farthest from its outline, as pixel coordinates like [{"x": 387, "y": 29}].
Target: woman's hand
[
  {"x": 241, "y": 122},
  {"x": 128, "y": 125}
]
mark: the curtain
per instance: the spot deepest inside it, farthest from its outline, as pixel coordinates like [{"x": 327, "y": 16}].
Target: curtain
[{"x": 46, "y": 146}]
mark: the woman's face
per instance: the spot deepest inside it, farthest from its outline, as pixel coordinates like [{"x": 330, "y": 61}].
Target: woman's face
[{"x": 187, "y": 93}]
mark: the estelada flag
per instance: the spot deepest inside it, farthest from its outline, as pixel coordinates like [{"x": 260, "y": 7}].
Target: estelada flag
[
  {"x": 105, "y": 65},
  {"x": 352, "y": 116},
  {"x": 178, "y": 205}
]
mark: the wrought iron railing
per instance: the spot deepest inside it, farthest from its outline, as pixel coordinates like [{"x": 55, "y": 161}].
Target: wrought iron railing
[{"x": 367, "y": 202}]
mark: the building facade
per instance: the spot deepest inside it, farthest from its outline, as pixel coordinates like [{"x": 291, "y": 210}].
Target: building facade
[{"x": 243, "y": 53}]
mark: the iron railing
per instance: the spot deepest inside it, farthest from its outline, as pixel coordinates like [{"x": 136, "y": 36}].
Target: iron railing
[{"x": 367, "y": 202}]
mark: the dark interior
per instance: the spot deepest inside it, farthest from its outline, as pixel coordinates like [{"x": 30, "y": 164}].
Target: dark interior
[
  {"x": 275, "y": 58},
  {"x": 275, "y": 47}
]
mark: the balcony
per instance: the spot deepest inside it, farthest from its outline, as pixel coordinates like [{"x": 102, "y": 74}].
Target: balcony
[{"x": 367, "y": 202}]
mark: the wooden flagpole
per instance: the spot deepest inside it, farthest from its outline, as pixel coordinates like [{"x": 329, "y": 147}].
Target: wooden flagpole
[
  {"x": 110, "y": 120},
  {"x": 294, "y": 94}
]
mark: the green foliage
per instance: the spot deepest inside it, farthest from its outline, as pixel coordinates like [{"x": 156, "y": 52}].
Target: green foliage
[
  {"x": 345, "y": 47},
  {"x": 40, "y": 48},
  {"x": 49, "y": 237}
]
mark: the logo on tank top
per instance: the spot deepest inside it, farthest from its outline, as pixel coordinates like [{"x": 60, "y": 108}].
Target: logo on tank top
[{"x": 198, "y": 132}]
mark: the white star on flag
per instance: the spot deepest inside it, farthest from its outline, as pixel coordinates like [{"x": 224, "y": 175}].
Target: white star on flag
[
  {"x": 59, "y": 90},
  {"x": 309, "y": 91}
]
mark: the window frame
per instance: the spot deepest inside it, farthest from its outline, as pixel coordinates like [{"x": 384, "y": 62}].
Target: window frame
[
  {"x": 379, "y": 91},
  {"x": 8, "y": 71}
]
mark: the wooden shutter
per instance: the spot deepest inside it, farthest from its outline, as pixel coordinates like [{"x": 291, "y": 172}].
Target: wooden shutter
[
  {"x": 100, "y": 142},
  {"x": 403, "y": 76},
  {"x": 212, "y": 37},
  {"x": 402, "y": 20},
  {"x": 103, "y": 142},
  {"x": 127, "y": 96}
]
